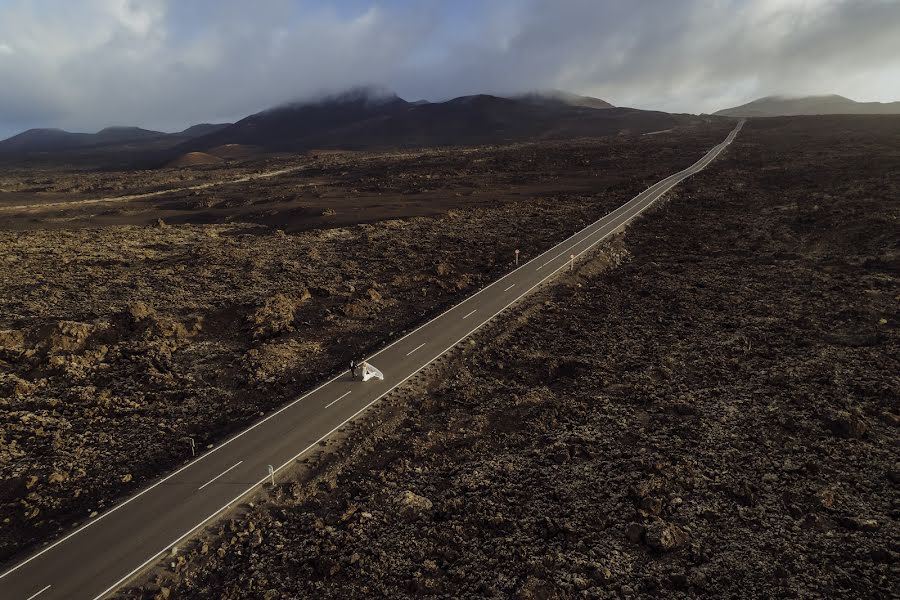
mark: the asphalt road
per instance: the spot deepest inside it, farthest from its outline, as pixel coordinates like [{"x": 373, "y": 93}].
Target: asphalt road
[{"x": 100, "y": 556}]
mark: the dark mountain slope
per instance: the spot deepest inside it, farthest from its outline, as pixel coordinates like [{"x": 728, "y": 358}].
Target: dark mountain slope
[
  {"x": 201, "y": 129},
  {"x": 778, "y": 106},
  {"x": 357, "y": 121},
  {"x": 112, "y": 145},
  {"x": 360, "y": 118},
  {"x": 283, "y": 127}
]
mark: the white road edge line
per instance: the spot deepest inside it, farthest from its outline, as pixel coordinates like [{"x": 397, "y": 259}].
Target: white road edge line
[
  {"x": 220, "y": 474},
  {"x": 414, "y": 349},
  {"x": 360, "y": 411},
  {"x": 35, "y": 595},
  {"x": 341, "y": 398},
  {"x": 510, "y": 287},
  {"x": 598, "y": 223},
  {"x": 470, "y": 314}
]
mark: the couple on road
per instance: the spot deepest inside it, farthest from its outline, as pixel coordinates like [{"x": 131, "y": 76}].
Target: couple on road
[{"x": 365, "y": 371}]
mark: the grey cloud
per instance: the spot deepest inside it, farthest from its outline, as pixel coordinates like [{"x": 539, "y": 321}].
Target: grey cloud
[
  {"x": 689, "y": 56},
  {"x": 121, "y": 62}
]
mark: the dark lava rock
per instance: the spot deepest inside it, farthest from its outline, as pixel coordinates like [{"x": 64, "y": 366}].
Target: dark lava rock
[{"x": 665, "y": 537}]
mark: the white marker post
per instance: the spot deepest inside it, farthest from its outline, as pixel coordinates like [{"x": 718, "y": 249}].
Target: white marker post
[
  {"x": 193, "y": 447},
  {"x": 272, "y": 474},
  {"x": 517, "y": 257},
  {"x": 572, "y": 264}
]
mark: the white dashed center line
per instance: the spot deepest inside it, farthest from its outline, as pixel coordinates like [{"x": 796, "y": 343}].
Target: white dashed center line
[
  {"x": 333, "y": 401},
  {"x": 38, "y": 594},
  {"x": 220, "y": 474},
  {"x": 470, "y": 314},
  {"x": 414, "y": 349},
  {"x": 510, "y": 287}
]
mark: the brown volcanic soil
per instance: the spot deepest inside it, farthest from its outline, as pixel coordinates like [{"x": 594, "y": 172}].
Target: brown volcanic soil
[
  {"x": 717, "y": 416},
  {"x": 117, "y": 343},
  {"x": 195, "y": 159},
  {"x": 332, "y": 188}
]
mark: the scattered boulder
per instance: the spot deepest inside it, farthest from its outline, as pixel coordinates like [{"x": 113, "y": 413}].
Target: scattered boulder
[
  {"x": 68, "y": 336},
  {"x": 276, "y": 315},
  {"x": 893, "y": 473},
  {"x": 665, "y": 537},
  {"x": 847, "y": 424},
  {"x": 412, "y": 505},
  {"x": 634, "y": 532},
  {"x": 536, "y": 589},
  {"x": 15, "y": 386},
  {"x": 859, "y": 523},
  {"x": 58, "y": 477},
  {"x": 140, "y": 311},
  {"x": 143, "y": 320},
  {"x": 12, "y": 340}
]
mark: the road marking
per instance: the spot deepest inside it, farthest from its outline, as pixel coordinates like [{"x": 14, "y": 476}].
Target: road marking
[
  {"x": 414, "y": 349},
  {"x": 510, "y": 287},
  {"x": 563, "y": 252},
  {"x": 240, "y": 434},
  {"x": 31, "y": 597},
  {"x": 219, "y": 475},
  {"x": 347, "y": 420},
  {"x": 333, "y": 401},
  {"x": 470, "y": 314},
  {"x": 599, "y": 224}
]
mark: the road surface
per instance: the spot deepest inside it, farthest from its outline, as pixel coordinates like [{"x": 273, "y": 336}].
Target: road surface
[{"x": 102, "y": 555}]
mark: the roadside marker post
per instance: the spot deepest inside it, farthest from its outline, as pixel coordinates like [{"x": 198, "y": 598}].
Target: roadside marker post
[
  {"x": 272, "y": 474},
  {"x": 572, "y": 264},
  {"x": 517, "y": 257},
  {"x": 193, "y": 446}
]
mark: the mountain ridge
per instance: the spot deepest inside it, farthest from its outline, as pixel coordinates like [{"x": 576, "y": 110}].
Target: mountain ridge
[
  {"x": 52, "y": 139},
  {"x": 364, "y": 117},
  {"x": 356, "y": 121}
]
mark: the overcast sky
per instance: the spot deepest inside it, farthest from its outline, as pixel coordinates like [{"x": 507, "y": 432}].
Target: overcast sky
[{"x": 165, "y": 64}]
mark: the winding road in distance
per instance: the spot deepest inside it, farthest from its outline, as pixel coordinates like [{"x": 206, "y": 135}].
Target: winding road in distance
[{"x": 97, "y": 558}]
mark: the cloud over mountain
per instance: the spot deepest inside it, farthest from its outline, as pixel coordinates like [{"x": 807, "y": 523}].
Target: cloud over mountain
[{"x": 86, "y": 64}]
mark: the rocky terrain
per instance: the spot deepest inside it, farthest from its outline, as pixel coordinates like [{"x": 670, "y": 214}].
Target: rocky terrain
[
  {"x": 119, "y": 343},
  {"x": 709, "y": 408},
  {"x": 331, "y": 188}
]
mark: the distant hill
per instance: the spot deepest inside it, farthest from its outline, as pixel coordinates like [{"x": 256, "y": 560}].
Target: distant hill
[
  {"x": 58, "y": 143},
  {"x": 363, "y": 119},
  {"x": 42, "y": 140},
  {"x": 118, "y": 135},
  {"x": 777, "y": 106}
]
